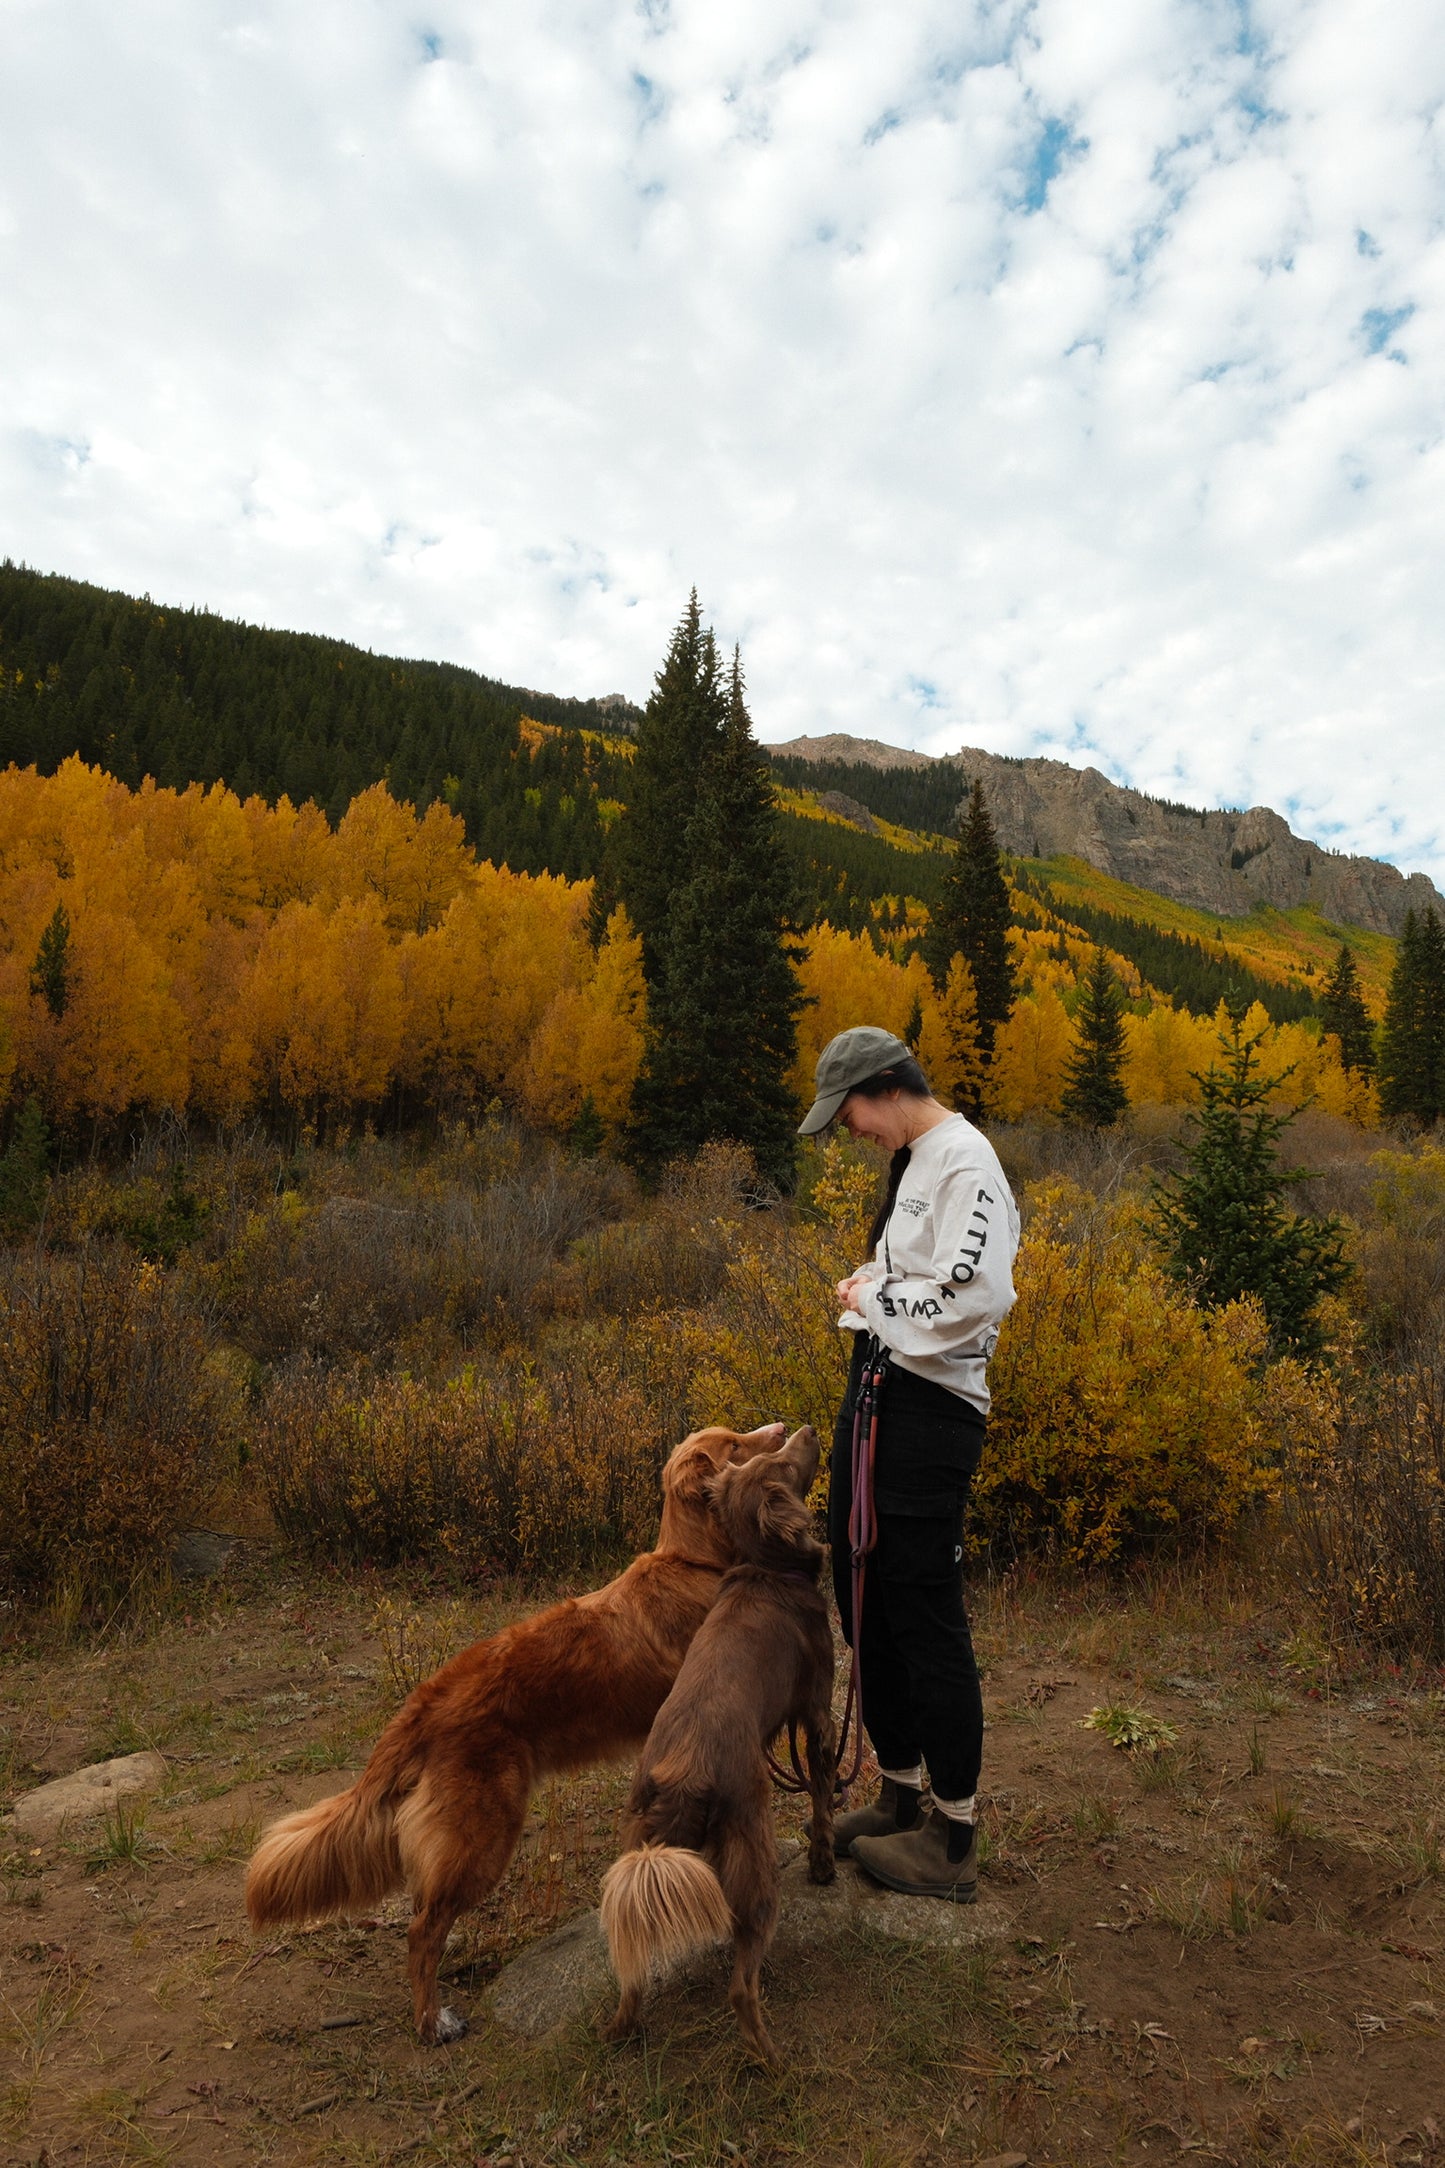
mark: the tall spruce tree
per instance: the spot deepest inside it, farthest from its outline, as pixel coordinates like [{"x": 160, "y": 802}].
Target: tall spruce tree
[
  {"x": 1343, "y": 1012},
  {"x": 1412, "y": 1042},
  {"x": 972, "y": 920},
  {"x": 1222, "y": 1222},
  {"x": 677, "y": 741},
  {"x": 1094, "y": 1091},
  {"x": 50, "y": 974},
  {"x": 722, "y": 1013}
]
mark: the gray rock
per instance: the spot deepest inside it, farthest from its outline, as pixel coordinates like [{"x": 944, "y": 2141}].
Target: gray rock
[
  {"x": 1227, "y": 860},
  {"x": 201, "y": 1555},
  {"x": 812, "y": 1915},
  {"x": 848, "y": 809},
  {"x": 553, "y": 1981},
  {"x": 568, "y": 1974},
  {"x": 87, "y": 1792}
]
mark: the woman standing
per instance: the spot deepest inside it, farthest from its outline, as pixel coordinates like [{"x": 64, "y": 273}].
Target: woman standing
[{"x": 930, "y": 1301}]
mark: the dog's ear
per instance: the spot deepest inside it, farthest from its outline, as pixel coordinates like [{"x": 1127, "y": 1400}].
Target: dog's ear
[
  {"x": 785, "y": 1522},
  {"x": 688, "y": 1473},
  {"x": 765, "y": 1519}
]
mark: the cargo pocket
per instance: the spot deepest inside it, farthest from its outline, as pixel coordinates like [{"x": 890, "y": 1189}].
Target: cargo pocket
[{"x": 920, "y": 1535}]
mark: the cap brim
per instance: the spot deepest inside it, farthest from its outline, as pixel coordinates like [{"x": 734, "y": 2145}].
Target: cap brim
[{"x": 822, "y": 1112}]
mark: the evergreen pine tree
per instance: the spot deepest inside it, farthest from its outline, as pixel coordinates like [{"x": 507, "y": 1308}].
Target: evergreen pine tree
[
  {"x": 913, "y": 1029},
  {"x": 1222, "y": 1221},
  {"x": 1343, "y": 1011},
  {"x": 677, "y": 740},
  {"x": 1412, "y": 1042},
  {"x": 587, "y": 1134},
  {"x": 24, "y": 1171},
  {"x": 722, "y": 1013},
  {"x": 1094, "y": 1091},
  {"x": 50, "y": 972},
  {"x": 972, "y": 920}
]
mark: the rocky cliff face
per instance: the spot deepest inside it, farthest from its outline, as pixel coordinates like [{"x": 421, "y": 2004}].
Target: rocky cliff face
[{"x": 1224, "y": 861}]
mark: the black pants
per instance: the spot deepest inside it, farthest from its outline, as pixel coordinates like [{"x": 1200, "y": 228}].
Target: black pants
[{"x": 919, "y": 1680}]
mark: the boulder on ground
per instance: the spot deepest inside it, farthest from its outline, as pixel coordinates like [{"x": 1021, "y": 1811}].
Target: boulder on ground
[
  {"x": 87, "y": 1792},
  {"x": 568, "y": 1973}
]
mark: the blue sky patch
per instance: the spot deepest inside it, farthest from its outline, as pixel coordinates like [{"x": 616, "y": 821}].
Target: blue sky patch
[
  {"x": 1378, "y": 327},
  {"x": 1055, "y": 146}
]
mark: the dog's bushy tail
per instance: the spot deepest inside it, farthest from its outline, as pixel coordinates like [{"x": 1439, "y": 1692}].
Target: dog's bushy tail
[
  {"x": 658, "y": 1904},
  {"x": 338, "y": 1856}
]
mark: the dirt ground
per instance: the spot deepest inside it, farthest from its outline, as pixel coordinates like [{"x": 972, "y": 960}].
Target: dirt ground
[{"x": 1232, "y": 1948}]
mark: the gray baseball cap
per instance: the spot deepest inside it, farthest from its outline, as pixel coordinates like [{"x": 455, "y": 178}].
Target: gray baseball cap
[{"x": 849, "y": 1059}]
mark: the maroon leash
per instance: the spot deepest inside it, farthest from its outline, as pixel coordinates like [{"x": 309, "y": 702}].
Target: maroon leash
[{"x": 862, "y": 1538}]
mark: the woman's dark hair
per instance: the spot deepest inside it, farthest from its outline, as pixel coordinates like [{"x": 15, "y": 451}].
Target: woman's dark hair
[
  {"x": 903, "y": 1076},
  {"x": 900, "y": 1076}
]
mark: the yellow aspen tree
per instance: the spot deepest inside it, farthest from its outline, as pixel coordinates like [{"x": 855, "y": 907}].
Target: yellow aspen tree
[
  {"x": 292, "y": 849},
  {"x": 1030, "y": 1054},
  {"x": 441, "y": 863},
  {"x": 366, "y": 1012},
  {"x": 1163, "y": 1050},
  {"x": 375, "y": 848},
  {"x": 480, "y": 983},
  {"x": 207, "y": 831},
  {"x": 591, "y": 1038},
  {"x": 948, "y": 1043},
  {"x": 225, "y": 1070},
  {"x": 845, "y": 982},
  {"x": 121, "y": 1042}
]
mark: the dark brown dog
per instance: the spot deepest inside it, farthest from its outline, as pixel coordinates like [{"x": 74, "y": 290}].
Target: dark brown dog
[
  {"x": 702, "y": 1861},
  {"x": 439, "y": 1806}
]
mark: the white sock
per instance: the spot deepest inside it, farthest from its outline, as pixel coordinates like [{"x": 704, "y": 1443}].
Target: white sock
[
  {"x": 958, "y": 1810},
  {"x": 912, "y": 1777}
]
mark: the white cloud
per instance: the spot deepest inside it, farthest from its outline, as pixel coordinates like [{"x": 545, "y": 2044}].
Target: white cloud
[{"x": 1044, "y": 377}]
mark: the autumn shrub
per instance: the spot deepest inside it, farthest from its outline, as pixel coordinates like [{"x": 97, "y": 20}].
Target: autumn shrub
[
  {"x": 767, "y": 1345},
  {"x": 1125, "y": 1420},
  {"x": 368, "y": 1257},
  {"x": 674, "y": 1254},
  {"x": 1366, "y": 1499},
  {"x": 108, "y": 1421},
  {"x": 1124, "y": 1417},
  {"x": 1399, "y": 1250},
  {"x": 536, "y": 1469}
]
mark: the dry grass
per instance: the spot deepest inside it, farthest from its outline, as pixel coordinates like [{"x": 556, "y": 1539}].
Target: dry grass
[{"x": 1186, "y": 1960}]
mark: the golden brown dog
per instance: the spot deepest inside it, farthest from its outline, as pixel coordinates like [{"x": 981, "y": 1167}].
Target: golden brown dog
[
  {"x": 702, "y": 1861},
  {"x": 440, "y": 1805}
]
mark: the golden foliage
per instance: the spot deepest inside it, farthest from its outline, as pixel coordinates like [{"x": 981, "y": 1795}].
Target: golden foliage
[
  {"x": 504, "y": 1467},
  {"x": 1029, "y": 1058},
  {"x": 238, "y": 958},
  {"x": 1123, "y": 1415},
  {"x": 948, "y": 1050}
]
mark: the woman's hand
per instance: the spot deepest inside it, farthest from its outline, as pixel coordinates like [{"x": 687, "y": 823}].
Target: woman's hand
[{"x": 848, "y": 1292}]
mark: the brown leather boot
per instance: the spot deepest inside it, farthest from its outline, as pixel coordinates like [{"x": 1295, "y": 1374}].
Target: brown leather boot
[
  {"x": 937, "y": 1859},
  {"x": 898, "y": 1806}
]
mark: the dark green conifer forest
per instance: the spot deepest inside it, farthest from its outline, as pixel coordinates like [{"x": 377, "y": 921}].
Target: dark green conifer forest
[
  {"x": 723, "y": 1001},
  {"x": 1412, "y": 1040},
  {"x": 1094, "y": 1093}
]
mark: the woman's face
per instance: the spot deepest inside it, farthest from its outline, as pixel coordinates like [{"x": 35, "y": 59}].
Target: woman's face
[{"x": 884, "y": 1121}]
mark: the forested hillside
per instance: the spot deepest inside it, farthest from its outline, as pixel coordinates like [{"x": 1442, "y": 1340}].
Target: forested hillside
[
  {"x": 185, "y": 696},
  {"x": 189, "y": 697}
]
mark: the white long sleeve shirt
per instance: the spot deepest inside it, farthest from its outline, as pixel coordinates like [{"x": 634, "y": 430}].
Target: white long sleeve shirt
[{"x": 941, "y": 1280}]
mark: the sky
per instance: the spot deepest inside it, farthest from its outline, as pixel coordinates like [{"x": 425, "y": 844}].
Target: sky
[{"x": 1053, "y": 376}]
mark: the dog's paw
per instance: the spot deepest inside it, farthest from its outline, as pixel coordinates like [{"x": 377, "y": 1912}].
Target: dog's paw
[{"x": 450, "y": 2026}]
